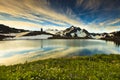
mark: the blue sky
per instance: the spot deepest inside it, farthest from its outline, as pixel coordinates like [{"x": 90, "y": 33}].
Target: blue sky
[{"x": 93, "y": 15}]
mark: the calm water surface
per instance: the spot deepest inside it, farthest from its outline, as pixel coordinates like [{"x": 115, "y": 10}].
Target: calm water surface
[{"x": 19, "y": 51}]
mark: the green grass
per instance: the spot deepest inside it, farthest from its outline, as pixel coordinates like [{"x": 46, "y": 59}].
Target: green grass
[{"x": 97, "y": 67}]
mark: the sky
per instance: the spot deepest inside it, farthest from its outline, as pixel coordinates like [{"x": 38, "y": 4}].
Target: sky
[{"x": 92, "y": 15}]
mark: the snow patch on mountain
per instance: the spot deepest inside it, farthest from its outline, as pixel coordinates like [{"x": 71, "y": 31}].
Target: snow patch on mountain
[
  {"x": 21, "y": 34},
  {"x": 42, "y": 36},
  {"x": 97, "y": 36},
  {"x": 8, "y": 34},
  {"x": 81, "y": 33},
  {"x": 110, "y": 34}
]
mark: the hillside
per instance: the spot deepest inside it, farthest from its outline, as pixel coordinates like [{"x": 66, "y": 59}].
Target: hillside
[
  {"x": 2, "y": 37},
  {"x": 34, "y": 35},
  {"x": 97, "y": 67},
  {"x": 8, "y": 32},
  {"x": 7, "y": 29},
  {"x": 114, "y": 35}
]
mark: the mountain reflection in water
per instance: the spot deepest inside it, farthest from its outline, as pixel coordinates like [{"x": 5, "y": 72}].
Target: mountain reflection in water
[{"x": 19, "y": 51}]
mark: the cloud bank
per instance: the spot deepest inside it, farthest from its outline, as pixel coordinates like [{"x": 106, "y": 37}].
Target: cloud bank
[{"x": 93, "y": 15}]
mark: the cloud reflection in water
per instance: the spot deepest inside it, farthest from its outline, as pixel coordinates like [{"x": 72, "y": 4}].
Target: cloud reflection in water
[{"x": 24, "y": 50}]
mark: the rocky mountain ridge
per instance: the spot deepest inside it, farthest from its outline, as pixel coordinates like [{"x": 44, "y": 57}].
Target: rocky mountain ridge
[{"x": 69, "y": 33}]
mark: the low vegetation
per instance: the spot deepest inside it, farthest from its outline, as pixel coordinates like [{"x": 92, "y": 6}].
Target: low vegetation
[{"x": 97, "y": 67}]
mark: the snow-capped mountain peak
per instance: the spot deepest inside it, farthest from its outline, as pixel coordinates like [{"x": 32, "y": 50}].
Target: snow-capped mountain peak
[{"x": 74, "y": 32}]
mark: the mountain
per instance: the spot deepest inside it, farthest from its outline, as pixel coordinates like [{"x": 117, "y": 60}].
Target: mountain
[
  {"x": 69, "y": 33},
  {"x": 7, "y": 29},
  {"x": 74, "y": 32},
  {"x": 113, "y": 36},
  {"x": 2, "y": 37},
  {"x": 78, "y": 33},
  {"x": 8, "y": 32}
]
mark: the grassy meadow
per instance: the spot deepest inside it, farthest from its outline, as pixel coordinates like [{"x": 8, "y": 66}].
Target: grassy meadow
[{"x": 96, "y": 67}]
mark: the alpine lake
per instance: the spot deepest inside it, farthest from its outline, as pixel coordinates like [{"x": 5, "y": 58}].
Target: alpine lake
[{"x": 20, "y": 51}]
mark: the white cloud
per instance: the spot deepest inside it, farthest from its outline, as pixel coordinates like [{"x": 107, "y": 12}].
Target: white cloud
[
  {"x": 25, "y": 8},
  {"x": 21, "y": 25},
  {"x": 114, "y": 22},
  {"x": 29, "y": 26}
]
